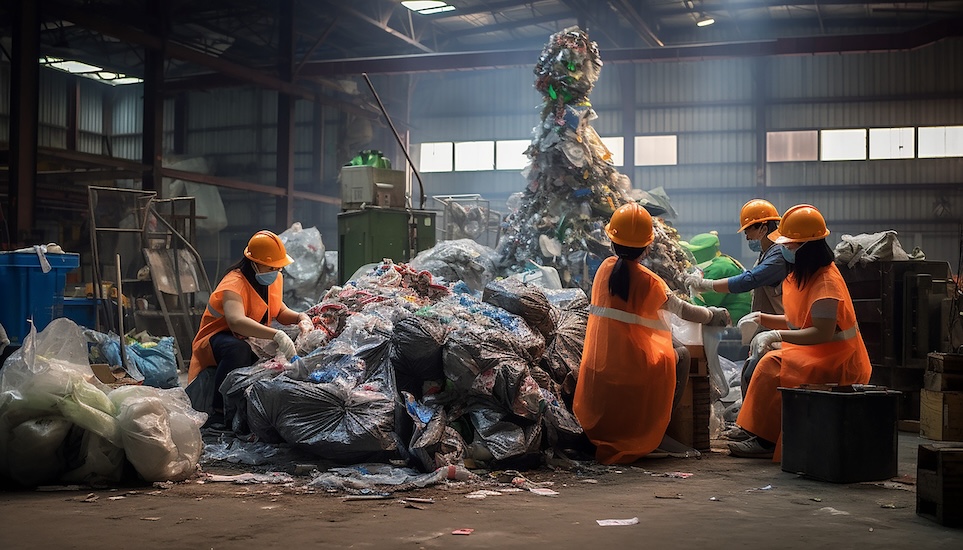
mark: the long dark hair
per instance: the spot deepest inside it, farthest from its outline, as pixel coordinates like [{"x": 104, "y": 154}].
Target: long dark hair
[
  {"x": 619, "y": 279},
  {"x": 810, "y": 258},
  {"x": 245, "y": 265}
]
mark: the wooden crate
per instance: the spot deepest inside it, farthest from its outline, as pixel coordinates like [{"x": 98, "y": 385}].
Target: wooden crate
[
  {"x": 941, "y": 415},
  {"x": 690, "y": 420},
  {"x": 944, "y": 372},
  {"x": 939, "y": 484}
]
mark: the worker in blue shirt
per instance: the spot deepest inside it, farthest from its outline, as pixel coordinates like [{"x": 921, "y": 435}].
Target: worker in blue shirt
[{"x": 758, "y": 218}]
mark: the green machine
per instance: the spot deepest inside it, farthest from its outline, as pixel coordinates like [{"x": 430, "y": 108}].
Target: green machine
[{"x": 371, "y": 234}]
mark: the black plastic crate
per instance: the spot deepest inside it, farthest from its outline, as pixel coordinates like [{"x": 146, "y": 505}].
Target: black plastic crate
[{"x": 842, "y": 434}]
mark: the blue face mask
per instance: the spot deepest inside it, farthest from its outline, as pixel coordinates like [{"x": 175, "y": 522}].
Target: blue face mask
[
  {"x": 266, "y": 279},
  {"x": 789, "y": 255},
  {"x": 755, "y": 246}
]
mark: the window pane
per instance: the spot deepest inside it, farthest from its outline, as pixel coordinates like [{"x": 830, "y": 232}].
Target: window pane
[
  {"x": 472, "y": 156},
  {"x": 615, "y": 146},
  {"x": 892, "y": 143},
  {"x": 792, "y": 146},
  {"x": 843, "y": 145},
  {"x": 435, "y": 157},
  {"x": 655, "y": 151},
  {"x": 941, "y": 141},
  {"x": 510, "y": 155}
]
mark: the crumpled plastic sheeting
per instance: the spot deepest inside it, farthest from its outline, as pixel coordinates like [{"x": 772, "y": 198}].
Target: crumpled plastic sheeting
[
  {"x": 161, "y": 432},
  {"x": 234, "y": 390},
  {"x": 459, "y": 260},
  {"x": 366, "y": 478},
  {"x": 866, "y": 248},
  {"x": 564, "y": 355},
  {"x": 237, "y": 451},
  {"x": 503, "y": 438},
  {"x": 416, "y": 352},
  {"x": 303, "y": 279},
  {"x": 526, "y": 301},
  {"x": 333, "y": 421}
]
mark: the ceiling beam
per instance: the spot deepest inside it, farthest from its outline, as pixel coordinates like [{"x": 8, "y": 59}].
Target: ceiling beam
[
  {"x": 345, "y": 9},
  {"x": 638, "y": 23},
  {"x": 909, "y": 40},
  {"x": 176, "y": 51}
]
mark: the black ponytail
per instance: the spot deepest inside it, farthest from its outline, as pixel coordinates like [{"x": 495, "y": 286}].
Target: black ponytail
[{"x": 621, "y": 273}]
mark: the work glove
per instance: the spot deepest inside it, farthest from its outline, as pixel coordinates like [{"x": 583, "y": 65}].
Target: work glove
[
  {"x": 720, "y": 317},
  {"x": 749, "y": 325},
  {"x": 305, "y": 325},
  {"x": 765, "y": 341},
  {"x": 698, "y": 283},
  {"x": 285, "y": 344}
]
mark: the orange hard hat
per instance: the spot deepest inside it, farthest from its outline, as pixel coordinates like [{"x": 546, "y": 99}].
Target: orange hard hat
[
  {"x": 801, "y": 223},
  {"x": 267, "y": 249},
  {"x": 631, "y": 225},
  {"x": 757, "y": 211}
]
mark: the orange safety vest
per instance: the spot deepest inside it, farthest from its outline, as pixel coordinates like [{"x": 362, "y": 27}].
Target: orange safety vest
[
  {"x": 213, "y": 320},
  {"x": 626, "y": 380},
  {"x": 843, "y": 360}
]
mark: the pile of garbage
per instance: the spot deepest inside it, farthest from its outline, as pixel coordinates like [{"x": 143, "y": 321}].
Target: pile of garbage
[
  {"x": 399, "y": 366},
  {"x": 573, "y": 188},
  {"x": 60, "y": 424}
]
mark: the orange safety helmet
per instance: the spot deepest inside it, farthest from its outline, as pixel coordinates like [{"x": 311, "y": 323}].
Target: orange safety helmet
[
  {"x": 267, "y": 249},
  {"x": 801, "y": 223},
  {"x": 631, "y": 225},
  {"x": 757, "y": 211}
]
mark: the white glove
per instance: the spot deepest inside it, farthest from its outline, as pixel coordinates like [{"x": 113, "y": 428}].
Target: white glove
[
  {"x": 285, "y": 344},
  {"x": 698, "y": 283},
  {"x": 765, "y": 341},
  {"x": 720, "y": 317},
  {"x": 305, "y": 326}
]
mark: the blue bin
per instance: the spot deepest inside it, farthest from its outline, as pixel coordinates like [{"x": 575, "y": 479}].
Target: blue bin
[
  {"x": 26, "y": 292},
  {"x": 82, "y": 311}
]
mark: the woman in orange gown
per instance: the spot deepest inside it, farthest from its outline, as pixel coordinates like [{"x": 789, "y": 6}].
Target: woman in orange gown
[{"x": 820, "y": 339}]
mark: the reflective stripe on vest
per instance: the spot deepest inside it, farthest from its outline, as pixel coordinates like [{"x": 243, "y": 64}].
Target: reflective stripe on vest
[
  {"x": 626, "y": 317},
  {"x": 214, "y": 312},
  {"x": 839, "y": 336}
]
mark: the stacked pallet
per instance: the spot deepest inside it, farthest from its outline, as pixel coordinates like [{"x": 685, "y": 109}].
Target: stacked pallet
[{"x": 941, "y": 399}]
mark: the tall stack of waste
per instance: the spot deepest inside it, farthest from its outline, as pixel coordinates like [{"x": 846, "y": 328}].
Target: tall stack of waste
[{"x": 573, "y": 188}]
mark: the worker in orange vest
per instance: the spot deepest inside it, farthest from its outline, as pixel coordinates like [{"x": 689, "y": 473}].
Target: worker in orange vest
[
  {"x": 820, "y": 340},
  {"x": 245, "y": 303},
  {"x": 631, "y": 377}
]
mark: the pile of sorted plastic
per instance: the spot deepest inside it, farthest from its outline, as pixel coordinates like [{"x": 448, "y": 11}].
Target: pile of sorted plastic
[
  {"x": 401, "y": 367},
  {"x": 573, "y": 188},
  {"x": 60, "y": 424},
  {"x": 459, "y": 260}
]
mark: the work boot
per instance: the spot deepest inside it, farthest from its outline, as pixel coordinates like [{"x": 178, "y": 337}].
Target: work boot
[
  {"x": 737, "y": 434},
  {"x": 751, "y": 448}
]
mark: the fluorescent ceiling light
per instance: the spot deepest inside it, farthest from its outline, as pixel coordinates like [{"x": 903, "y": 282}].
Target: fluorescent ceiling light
[
  {"x": 705, "y": 21},
  {"x": 428, "y": 7},
  {"x": 86, "y": 70}
]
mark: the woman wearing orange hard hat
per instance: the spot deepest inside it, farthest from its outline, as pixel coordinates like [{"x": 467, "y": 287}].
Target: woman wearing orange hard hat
[
  {"x": 245, "y": 303},
  {"x": 631, "y": 377},
  {"x": 820, "y": 339}
]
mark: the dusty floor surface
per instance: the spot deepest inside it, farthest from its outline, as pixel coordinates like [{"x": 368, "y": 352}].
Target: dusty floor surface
[{"x": 724, "y": 503}]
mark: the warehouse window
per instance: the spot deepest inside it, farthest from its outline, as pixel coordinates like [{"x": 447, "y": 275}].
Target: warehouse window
[
  {"x": 474, "y": 156},
  {"x": 510, "y": 154},
  {"x": 792, "y": 146},
  {"x": 842, "y": 144},
  {"x": 436, "y": 157},
  {"x": 615, "y": 145},
  {"x": 941, "y": 141},
  {"x": 656, "y": 151},
  {"x": 892, "y": 143}
]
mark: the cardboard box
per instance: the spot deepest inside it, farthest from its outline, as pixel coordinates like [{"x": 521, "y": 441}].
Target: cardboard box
[{"x": 112, "y": 378}]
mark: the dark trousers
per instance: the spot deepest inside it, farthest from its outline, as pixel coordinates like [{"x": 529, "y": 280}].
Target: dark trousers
[{"x": 231, "y": 353}]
